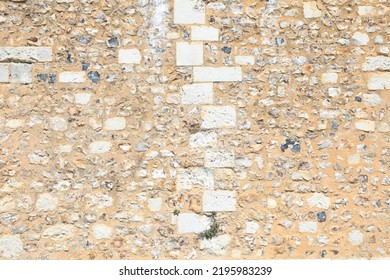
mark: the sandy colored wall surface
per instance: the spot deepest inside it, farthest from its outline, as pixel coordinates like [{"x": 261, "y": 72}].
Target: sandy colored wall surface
[{"x": 194, "y": 129}]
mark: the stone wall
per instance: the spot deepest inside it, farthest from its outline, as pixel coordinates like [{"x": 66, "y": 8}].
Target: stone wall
[{"x": 194, "y": 129}]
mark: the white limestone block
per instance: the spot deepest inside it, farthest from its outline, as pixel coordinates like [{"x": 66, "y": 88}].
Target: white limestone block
[
  {"x": 217, "y": 74},
  {"x": 203, "y": 139},
  {"x": 218, "y": 117},
  {"x": 186, "y": 178},
  {"x": 21, "y": 73},
  {"x": 378, "y": 81},
  {"x": 129, "y": 56},
  {"x": 365, "y": 125},
  {"x": 204, "y": 33},
  {"x": 219, "y": 201},
  {"x": 72, "y": 77},
  {"x": 188, "y": 54},
  {"x": 192, "y": 223},
  {"x": 189, "y": 12},
  {"x": 201, "y": 93},
  {"x": 219, "y": 158},
  {"x": 308, "y": 227}
]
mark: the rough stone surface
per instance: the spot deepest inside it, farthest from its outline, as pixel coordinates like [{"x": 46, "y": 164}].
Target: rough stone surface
[
  {"x": 217, "y": 246},
  {"x": 136, "y": 129}
]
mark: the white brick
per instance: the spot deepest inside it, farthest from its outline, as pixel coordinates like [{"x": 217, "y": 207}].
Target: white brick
[
  {"x": 100, "y": 147},
  {"x": 117, "y": 123},
  {"x": 217, "y": 74},
  {"x": 155, "y": 204},
  {"x": 189, "y": 54},
  {"x": 101, "y": 231},
  {"x": 329, "y": 78},
  {"x": 25, "y": 54},
  {"x": 21, "y": 73},
  {"x": 82, "y": 98},
  {"x": 58, "y": 124},
  {"x": 10, "y": 246},
  {"x": 215, "y": 246},
  {"x": 355, "y": 237},
  {"x": 378, "y": 81},
  {"x": 219, "y": 201},
  {"x": 310, "y": 10},
  {"x": 319, "y": 200},
  {"x": 204, "y": 33},
  {"x": 308, "y": 227},
  {"x": 189, "y": 12},
  {"x": 219, "y": 159},
  {"x": 372, "y": 99},
  {"x": 192, "y": 223},
  {"x": 4, "y": 73},
  {"x": 129, "y": 56},
  {"x": 360, "y": 39},
  {"x": 377, "y": 63},
  {"x": 218, "y": 117},
  {"x": 245, "y": 60},
  {"x": 203, "y": 139},
  {"x": 197, "y": 93},
  {"x": 186, "y": 178},
  {"x": 365, "y": 125},
  {"x": 72, "y": 77}
]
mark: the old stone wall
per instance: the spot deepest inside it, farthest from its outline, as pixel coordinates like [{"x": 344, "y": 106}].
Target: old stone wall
[{"x": 194, "y": 129}]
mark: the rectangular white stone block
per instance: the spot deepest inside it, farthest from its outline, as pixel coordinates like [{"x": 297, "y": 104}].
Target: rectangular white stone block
[
  {"x": 308, "y": 227},
  {"x": 197, "y": 93},
  {"x": 365, "y": 125},
  {"x": 245, "y": 59},
  {"x": 189, "y": 12},
  {"x": 21, "y": 73},
  {"x": 217, "y": 74},
  {"x": 203, "y": 139},
  {"x": 219, "y": 201},
  {"x": 72, "y": 77},
  {"x": 204, "y": 33},
  {"x": 129, "y": 56},
  {"x": 192, "y": 223},
  {"x": 218, "y": 117},
  {"x": 188, "y": 54},
  {"x": 25, "y": 54},
  {"x": 4, "y": 73},
  {"x": 378, "y": 81},
  {"x": 219, "y": 158},
  {"x": 376, "y": 63},
  {"x": 186, "y": 178}
]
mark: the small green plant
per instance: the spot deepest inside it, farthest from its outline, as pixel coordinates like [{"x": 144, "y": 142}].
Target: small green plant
[
  {"x": 212, "y": 231},
  {"x": 176, "y": 212}
]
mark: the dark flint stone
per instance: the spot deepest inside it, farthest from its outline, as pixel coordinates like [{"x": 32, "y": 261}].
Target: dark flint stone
[{"x": 94, "y": 76}]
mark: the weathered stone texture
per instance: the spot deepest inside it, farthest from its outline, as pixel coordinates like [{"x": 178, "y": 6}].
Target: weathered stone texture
[{"x": 194, "y": 129}]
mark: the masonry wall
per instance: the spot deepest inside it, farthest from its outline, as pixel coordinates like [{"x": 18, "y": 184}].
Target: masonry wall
[{"x": 190, "y": 129}]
